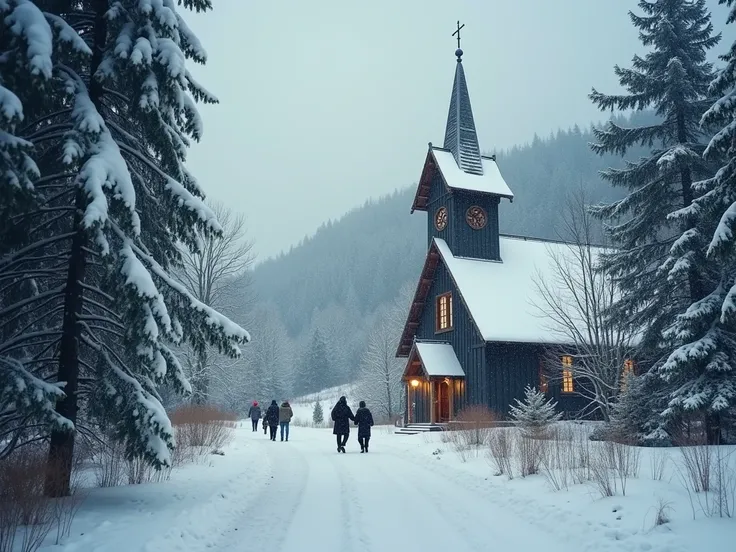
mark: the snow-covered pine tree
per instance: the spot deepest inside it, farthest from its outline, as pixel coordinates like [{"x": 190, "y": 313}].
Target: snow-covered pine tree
[
  {"x": 115, "y": 204},
  {"x": 635, "y": 415},
  {"x": 318, "y": 415},
  {"x": 29, "y": 42},
  {"x": 315, "y": 369},
  {"x": 535, "y": 413},
  {"x": 702, "y": 369},
  {"x": 672, "y": 79}
]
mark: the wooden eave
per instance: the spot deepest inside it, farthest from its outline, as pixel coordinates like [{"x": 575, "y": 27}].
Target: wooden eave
[
  {"x": 421, "y": 198},
  {"x": 420, "y": 298}
]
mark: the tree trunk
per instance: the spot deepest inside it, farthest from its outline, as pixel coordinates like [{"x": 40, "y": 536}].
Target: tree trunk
[
  {"x": 61, "y": 449},
  {"x": 713, "y": 428}
]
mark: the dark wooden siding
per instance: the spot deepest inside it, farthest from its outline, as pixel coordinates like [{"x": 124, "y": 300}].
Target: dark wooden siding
[
  {"x": 464, "y": 338},
  {"x": 466, "y": 242},
  {"x": 419, "y": 404},
  {"x": 511, "y": 367}
]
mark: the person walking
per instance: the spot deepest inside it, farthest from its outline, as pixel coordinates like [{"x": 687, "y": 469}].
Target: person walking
[
  {"x": 341, "y": 415},
  {"x": 265, "y": 425},
  {"x": 254, "y": 413},
  {"x": 285, "y": 416},
  {"x": 272, "y": 418},
  {"x": 364, "y": 421}
]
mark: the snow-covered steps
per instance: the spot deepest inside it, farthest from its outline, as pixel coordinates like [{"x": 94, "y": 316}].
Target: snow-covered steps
[{"x": 414, "y": 429}]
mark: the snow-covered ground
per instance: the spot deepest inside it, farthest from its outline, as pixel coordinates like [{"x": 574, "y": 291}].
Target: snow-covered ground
[{"x": 410, "y": 493}]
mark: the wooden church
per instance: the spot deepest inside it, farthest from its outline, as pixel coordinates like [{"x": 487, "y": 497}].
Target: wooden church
[{"x": 473, "y": 335}]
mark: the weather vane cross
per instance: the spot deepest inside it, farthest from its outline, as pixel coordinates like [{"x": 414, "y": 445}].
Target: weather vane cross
[{"x": 459, "y": 26}]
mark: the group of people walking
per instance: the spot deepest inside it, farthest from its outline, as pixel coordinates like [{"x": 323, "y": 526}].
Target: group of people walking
[
  {"x": 276, "y": 416},
  {"x": 280, "y": 416}
]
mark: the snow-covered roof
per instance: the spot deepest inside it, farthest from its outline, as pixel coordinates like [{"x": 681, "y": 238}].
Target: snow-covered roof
[
  {"x": 503, "y": 297},
  {"x": 439, "y": 359},
  {"x": 490, "y": 182}
]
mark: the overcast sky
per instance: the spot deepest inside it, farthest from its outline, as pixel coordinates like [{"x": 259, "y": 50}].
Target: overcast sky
[{"x": 326, "y": 103}]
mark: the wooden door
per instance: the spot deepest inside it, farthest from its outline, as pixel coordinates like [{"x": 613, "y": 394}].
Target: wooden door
[{"x": 442, "y": 401}]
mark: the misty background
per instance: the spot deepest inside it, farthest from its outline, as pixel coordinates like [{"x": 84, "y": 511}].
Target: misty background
[{"x": 325, "y": 112}]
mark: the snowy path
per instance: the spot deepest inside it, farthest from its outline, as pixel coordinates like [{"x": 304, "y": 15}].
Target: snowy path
[
  {"x": 302, "y": 495},
  {"x": 319, "y": 500}
]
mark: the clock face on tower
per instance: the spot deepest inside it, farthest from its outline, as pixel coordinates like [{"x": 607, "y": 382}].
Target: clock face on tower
[
  {"x": 440, "y": 219},
  {"x": 476, "y": 217}
]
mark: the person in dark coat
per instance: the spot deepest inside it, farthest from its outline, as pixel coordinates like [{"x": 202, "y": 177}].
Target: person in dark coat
[
  {"x": 364, "y": 421},
  {"x": 272, "y": 418},
  {"x": 341, "y": 415},
  {"x": 254, "y": 413}
]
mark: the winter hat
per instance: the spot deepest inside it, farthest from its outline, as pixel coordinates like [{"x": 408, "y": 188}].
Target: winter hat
[
  {"x": 361, "y": 404},
  {"x": 343, "y": 399},
  {"x": 274, "y": 403},
  {"x": 255, "y": 403}
]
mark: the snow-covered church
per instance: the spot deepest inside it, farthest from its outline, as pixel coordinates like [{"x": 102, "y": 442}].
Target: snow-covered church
[{"x": 473, "y": 335}]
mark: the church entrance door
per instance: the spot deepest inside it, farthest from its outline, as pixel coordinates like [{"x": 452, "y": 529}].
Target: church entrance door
[{"x": 441, "y": 401}]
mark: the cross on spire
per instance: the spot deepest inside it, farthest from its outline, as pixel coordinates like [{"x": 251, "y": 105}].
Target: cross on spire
[{"x": 458, "y": 33}]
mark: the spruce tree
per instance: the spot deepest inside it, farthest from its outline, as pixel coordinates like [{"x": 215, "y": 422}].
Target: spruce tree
[
  {"x": 659, "y": 276},
  {"x": 535, "y": 413},
  {"x": 114, "y": 204},
  {"x": 317, "y": 414},
  {"x": 701, "y": 369}
]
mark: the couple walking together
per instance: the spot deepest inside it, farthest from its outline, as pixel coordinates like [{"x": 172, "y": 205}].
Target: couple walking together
[
  {"x": 341, "y": 415},
  {"x": 275, "y": 416}
]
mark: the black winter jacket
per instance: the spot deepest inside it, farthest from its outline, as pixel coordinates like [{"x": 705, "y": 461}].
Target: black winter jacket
[
  {"x": 341, "y": 415},
  {"x": 272, "y": 415},
  {"x": 364, "y": 421}
]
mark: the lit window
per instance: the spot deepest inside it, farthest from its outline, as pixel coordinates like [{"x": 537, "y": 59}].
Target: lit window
[
  {"x": 444, "y": 312},
  {"x": 567, "y": 382},
  {"x": 628, "y": 371}
]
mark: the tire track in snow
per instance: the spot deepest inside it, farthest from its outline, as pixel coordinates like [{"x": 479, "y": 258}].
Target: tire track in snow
[
  {"x": 353, "y": 531},
  {"x": 457, "y": 518},
  {"x": 264, "y": 523}
]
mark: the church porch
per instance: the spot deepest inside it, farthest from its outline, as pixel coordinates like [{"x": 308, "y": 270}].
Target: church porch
[{"x": 434, "y": 383}]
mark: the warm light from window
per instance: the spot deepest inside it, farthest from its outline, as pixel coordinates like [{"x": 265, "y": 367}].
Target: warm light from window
[
  {"x": 567, "y": 382},
  {"x": 414, "y": 383},
  {"x": 444, "y": 312}
]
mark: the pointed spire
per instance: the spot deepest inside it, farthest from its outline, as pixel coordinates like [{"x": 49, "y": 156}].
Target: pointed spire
[{"x": 460, "y": 136}]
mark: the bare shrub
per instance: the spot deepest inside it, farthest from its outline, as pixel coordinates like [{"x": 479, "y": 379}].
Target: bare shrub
[
  {"x": 64, "y": 509},
  {"x": 530, "y": 452},
  {"x": 109, "y": 464},
  {"x": 697, "y": 461},
  {"x": 583, "y": 457},
  {"x": 721, "y": 500},
  {"x": 657, "y": 463},
  {"x": 501, "y": 451},
  {"x": 202, "y": 426},
  {"x": 140, "y": 470},
  {"x": 23, "y": 507},
  {"x": 601, "y": 470},
  {"x": 458, "y": 441},
  {"x": 559, "y": 459},
  {"x": 475, "y": 423},
  {"x": 662, "y": 515}
]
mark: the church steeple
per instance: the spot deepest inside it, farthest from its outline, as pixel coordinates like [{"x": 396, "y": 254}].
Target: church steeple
[{"x": 460, "y": 136}]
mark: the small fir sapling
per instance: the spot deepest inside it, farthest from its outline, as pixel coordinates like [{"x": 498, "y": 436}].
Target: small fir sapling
[
  {"x": 535, "y": 413},
  {"x": 317, "y": 414}
]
